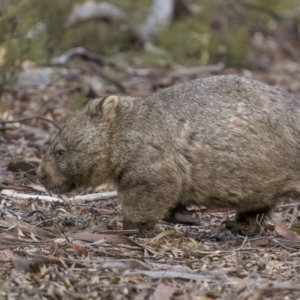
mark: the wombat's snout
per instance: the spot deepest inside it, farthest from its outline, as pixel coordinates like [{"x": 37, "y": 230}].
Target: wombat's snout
[{"x": 42, "y": 177}]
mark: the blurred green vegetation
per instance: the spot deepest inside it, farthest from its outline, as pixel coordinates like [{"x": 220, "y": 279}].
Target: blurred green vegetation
[{"x": 33, "y": 30}]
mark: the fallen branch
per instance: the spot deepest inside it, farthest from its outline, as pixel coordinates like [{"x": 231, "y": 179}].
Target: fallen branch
[
  {"x": 183, "y": 275},
  {"x": 95, "y": 11},
  {"x": 19, "y": 196},
  {"x": 80, "y": 198},
  {"x": 96, "y": 60},
  {"x": 82, "y": 53}
]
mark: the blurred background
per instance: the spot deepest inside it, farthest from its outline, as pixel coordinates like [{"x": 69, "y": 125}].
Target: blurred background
[
  {"x": 56, "y": 55},
  {"x": 254, "y": 35}
]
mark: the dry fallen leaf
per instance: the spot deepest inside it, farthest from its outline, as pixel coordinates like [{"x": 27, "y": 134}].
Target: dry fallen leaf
[
  {"x": 163, "y": 234},
  {"x": 103, "y": 211},
  {"x": 285, "y": 232},
  {"x": 109, "y": 238},
  {"x": 242, "y": 282},
  {"x": 79, "y": 250},
  {"x": 163, "y": 291}
]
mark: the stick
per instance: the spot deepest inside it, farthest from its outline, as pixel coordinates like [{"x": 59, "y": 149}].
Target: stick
[
  {"x": 97, "y": 61},
  {"x": 80, "y": 198}
]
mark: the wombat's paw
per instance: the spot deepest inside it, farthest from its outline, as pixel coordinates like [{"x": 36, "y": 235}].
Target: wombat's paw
[
  {"x": 242, "y": 228},
  {"x": 148, "y": 233},
  {"x": 180, "y": 215},
  {"x": 146, "y": 230},
  {"x": 183, "y": 217}
]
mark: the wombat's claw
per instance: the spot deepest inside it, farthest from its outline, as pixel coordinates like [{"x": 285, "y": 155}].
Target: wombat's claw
[
  {"x": 148, "y": 233},
  {"x": 145, "y": 230}
]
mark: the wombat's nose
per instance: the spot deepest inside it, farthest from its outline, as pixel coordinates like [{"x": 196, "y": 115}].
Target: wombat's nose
[{"x": 42, "y": 177}]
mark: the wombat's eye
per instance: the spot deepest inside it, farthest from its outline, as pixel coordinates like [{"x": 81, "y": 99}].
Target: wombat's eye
[{"x": 60, "y": 152}]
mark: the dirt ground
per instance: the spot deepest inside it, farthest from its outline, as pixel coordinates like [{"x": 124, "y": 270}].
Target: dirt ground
[{"x": 76, "y": 249}]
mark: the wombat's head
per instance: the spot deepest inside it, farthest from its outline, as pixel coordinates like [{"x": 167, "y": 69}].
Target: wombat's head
[{"x": 79, "y": 154}]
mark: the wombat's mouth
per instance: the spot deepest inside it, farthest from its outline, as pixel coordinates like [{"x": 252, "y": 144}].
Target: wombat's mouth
[{"x": 63, "y": 188}]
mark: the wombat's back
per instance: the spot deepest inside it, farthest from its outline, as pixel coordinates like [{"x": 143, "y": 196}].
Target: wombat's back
[{"x": 236, "y": 141}]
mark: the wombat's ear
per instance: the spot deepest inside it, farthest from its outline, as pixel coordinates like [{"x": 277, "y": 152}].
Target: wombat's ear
[
  {"x": 105, "y": 106},
  {"x": 109, "y": 106}
]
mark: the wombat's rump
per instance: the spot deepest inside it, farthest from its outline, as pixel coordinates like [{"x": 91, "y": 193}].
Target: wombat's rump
[{"x": 221, "y": 142}]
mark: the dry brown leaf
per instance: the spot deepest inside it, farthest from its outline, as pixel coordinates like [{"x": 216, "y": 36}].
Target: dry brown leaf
[
  {"x": 79, "y": 249},
  {"x": 163, "y": 234},
  {"x": 163, "y": 291},
  {"x": 109, "y": 238},
  {"x": 18, "y": 187},
  {"x": 285, "y": 232},
  {"x": 6, "y": 256},
  {"x": 33, "y": 237},
  {"x": 8, "y": 253},
  {"x": 242, "y": 282},
  {"x": 37, "y": 188},
  {"x": 23, "y": 264},
  {"x": 194, "y": 243},
  {"x": 22, "y": 226},
  {"x": 20, "y": 232},
  {"x": 103, "y": 211},
  {"x": 260, "y": 242},
  {"x": 11, "y": 241}
]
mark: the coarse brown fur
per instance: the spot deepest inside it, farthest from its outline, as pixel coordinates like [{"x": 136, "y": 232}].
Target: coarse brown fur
[{"x": 222, "y": 142}]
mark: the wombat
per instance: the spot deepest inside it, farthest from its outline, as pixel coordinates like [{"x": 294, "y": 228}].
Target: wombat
[{"x": 221, "y": 142}]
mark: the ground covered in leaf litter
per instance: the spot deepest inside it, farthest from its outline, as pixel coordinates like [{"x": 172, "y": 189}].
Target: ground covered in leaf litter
[{"x": 76, "y": 249}]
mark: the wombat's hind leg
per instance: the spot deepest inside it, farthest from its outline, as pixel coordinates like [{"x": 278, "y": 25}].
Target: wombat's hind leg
[{"x": 248, "y": 223}]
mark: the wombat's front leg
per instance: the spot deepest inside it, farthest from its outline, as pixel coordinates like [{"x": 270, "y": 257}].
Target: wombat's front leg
[{"x": 142, "y": 206}]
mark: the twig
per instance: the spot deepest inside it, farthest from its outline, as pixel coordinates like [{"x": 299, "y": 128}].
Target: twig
[
  {"x": 20, "y": 120},
  {"x": 173, "y": 274},
  {"x": 293, "y": 217},
  {"x": 243, "y": 244},
  {"x": 19, "y": 196},
  {"x": 284, "y": 246},
  {"x": 80, "y": 52},
  {"x": 183, "y": 275},
  {"x": 96, "y": 196},
  {"x": 287, "y": 205},
  {"x": 83, "y": 198},
  {"x": 96, "y": 61}
]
